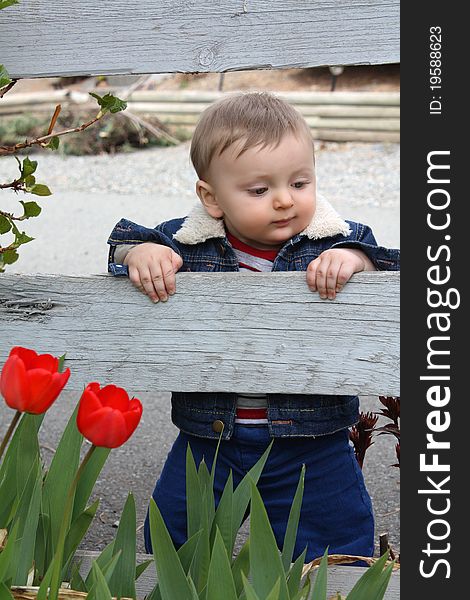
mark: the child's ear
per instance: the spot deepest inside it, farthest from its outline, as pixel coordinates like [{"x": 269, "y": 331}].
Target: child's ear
[{"x": 207, "y": 196}]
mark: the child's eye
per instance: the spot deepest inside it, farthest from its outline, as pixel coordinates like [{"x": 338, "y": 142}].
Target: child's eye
[
  {"x": 258, "y": 191},
  {"x": 299, "y": 184}
]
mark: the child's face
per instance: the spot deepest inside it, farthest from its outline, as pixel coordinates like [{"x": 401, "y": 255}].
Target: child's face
[{"x": 266, "y": 196}]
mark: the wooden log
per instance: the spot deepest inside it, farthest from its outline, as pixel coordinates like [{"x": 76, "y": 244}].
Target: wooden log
[
  {"x": 246, "y": 332},
  {"x": 118, "y": 37},
  {"x": 317, "y": 110},
  {"x": 340, "y": 578},
  {"x": 195, "y": 96}
]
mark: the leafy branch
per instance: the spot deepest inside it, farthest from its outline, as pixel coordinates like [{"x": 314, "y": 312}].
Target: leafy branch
[{"x": 26, "y": 182}]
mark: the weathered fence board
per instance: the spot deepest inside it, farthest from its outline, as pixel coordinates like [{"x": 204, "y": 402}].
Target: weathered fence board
[
  {"x": 161, "y": 36},
  {"x": 261, "y": 332},
  {"x": 340, "y": 579}
]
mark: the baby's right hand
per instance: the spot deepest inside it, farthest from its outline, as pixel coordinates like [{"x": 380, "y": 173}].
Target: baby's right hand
[{"x": 152, "y": 269}]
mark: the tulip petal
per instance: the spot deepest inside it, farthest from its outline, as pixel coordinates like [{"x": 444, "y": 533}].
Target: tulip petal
[
  {"x": 106, "y": 428},
  {"x": 48, "y": 362},
  {"x": 132, "y": 419},
  {"x": 114, "y": 397},
  {"x": 14, "y": 385},
  {"x": 89, "y": 406},
  {"x": 27, "y": 356}
]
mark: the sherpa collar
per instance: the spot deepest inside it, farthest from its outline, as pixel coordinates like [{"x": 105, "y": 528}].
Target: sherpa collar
[{"x": 199, "y": 226}]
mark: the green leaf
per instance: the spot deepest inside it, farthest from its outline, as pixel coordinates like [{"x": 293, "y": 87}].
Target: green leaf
[
  {"x": 54, "y": 143},
  {"x": 170, "y": 573},
  {"x": 76, "y": 580},
  {"x": 5, "y": 593},
  {"x": 5, "y": 224},
  {"x": 29, "y": 181},
  {"x": 242, "y": 493},
  {"x": 59, "y": 478},
  {"x": 207, "y": 489},
  {"x": 88, "y": 478},
  {"x": 27, "y": 517},
  {"x": 100, "y": 589},
  {"x": 370, "y": 583},
  {"x": 223, "y": 516},
  {"x": 220, "y": 582},
  {"x": 319, "y": 587},
  {"x": 31, "y": 209},
  {"x": 40, "y": 189},
  {"x": 140, "y": 568},
  {"x": 22, "y": 238},
  {"x": 6, "y": 554},
  {"x": 60, "y": 367},
  {"x": 241, "y": 566},
  {"x": 29, "y": 167},
  {"x": 383, "y": 584},
  {"x": 265, "y": 561},
  {"x": 5, "y": 3},
  {"x": 4, "y": 76},
  {"x": 193, "y": 495},
  {"x": 103, "y": 559},
  {"x": 78, "y": 530},
  {"x": 122, "y": 583},
  {"x": 187, "y": 551},
  {"x": 8, "y": 257},
  {"x": 295, "y": 575},
  {"x": 250, "y": 593},
  {"x": 109, "y": 103},
  {"x": 293, "y": 523},
  {"x": 199, "y": 567}
]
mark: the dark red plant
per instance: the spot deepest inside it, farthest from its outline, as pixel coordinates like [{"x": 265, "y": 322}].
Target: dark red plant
[{"x": 361, "y": 435}]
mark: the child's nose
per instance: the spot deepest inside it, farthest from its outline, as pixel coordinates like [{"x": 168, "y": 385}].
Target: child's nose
[{"x": 283, "y": 199}]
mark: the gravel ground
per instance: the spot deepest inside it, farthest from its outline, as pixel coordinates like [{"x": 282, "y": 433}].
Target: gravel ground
[{"x": 92, "y": 193}]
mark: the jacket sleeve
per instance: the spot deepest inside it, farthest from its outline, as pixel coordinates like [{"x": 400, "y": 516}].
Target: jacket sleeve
[
  {"x": 128, "y": 234},
  {"x": 362, "y": 238}
]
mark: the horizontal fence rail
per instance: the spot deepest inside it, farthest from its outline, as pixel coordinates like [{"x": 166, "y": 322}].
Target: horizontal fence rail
[
  {"x": 332, "y": 116},
  {"x": 162, "y": 36},
  {"x": 227, "y": 332}
]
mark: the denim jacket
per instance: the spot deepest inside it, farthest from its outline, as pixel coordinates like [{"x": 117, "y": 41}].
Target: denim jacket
[{"x": 201, "y": 242}]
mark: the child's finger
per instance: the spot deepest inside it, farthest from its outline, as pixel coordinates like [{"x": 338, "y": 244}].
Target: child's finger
[
  {"x": 156, "y": 286},
  {"x": 312, "y": 274},
  {"x": 322, "y": 276},
  {"x": 169, "y": 279},
  {"x": 344, "y": 275}
]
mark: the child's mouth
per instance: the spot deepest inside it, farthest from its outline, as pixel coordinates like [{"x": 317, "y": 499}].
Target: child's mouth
[{"x": 283, "y": 223}]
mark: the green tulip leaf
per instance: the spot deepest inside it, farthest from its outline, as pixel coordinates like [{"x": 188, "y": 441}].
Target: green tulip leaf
[
  {"x": 5, "y": 224},
  {"x": 220, "y": 582},
  {"x": 78, "y": 529},
  {"x": 193, "y": 495},
  {"x": 241, "y": 566},
  {"x": 171, "y": 576},
  {"x": 100, "y": 589},
  {"x": 223, "y": 516},
  {"x": 31, "y": 209},
  {"x": 88, "y": 479},
  {"x": 103, "y": 559},
  {"x": 295, "y": 575},
  {"x": 293, "y": 523},
  {"x": 319, "y": 587},
  {"x": 109, "y": 103},
  {"x": 242, "y": 493},
  {"x": 265, "y": 561},
  {"x": 187, "y": 551},
  {"x": 122, "y": 583},
  {"x": 250, "y": 593},
  {"x": 370, "y": 583},
  {"x": 6, "y": 554},
  {"x": 76, "y": 580},
  {"x": 5, "y": 593}
]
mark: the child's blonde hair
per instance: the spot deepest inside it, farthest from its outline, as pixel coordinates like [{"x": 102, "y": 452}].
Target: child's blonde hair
[{"x": 260, "y": 118}]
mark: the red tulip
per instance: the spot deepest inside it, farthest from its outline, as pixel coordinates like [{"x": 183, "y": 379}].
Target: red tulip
[
  {"x": 106, "y": 417},
  {"x": 30, "y": 382}
]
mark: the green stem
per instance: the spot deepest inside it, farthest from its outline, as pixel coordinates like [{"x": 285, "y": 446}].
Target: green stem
[
  {"x": 59, "y": 555},
  {"x": 10, "y": 431}
]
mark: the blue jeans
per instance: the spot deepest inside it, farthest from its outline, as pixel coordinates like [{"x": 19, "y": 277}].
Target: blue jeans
[{"x": 336, "y": 508}]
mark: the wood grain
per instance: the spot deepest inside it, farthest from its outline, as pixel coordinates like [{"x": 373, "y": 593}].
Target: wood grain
[
  {"x": 227, "y": 332},
  {"x": 162, "y": 36}
]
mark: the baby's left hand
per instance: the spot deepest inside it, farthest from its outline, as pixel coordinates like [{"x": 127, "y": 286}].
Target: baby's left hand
[{"x": 328, "y": 273}]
